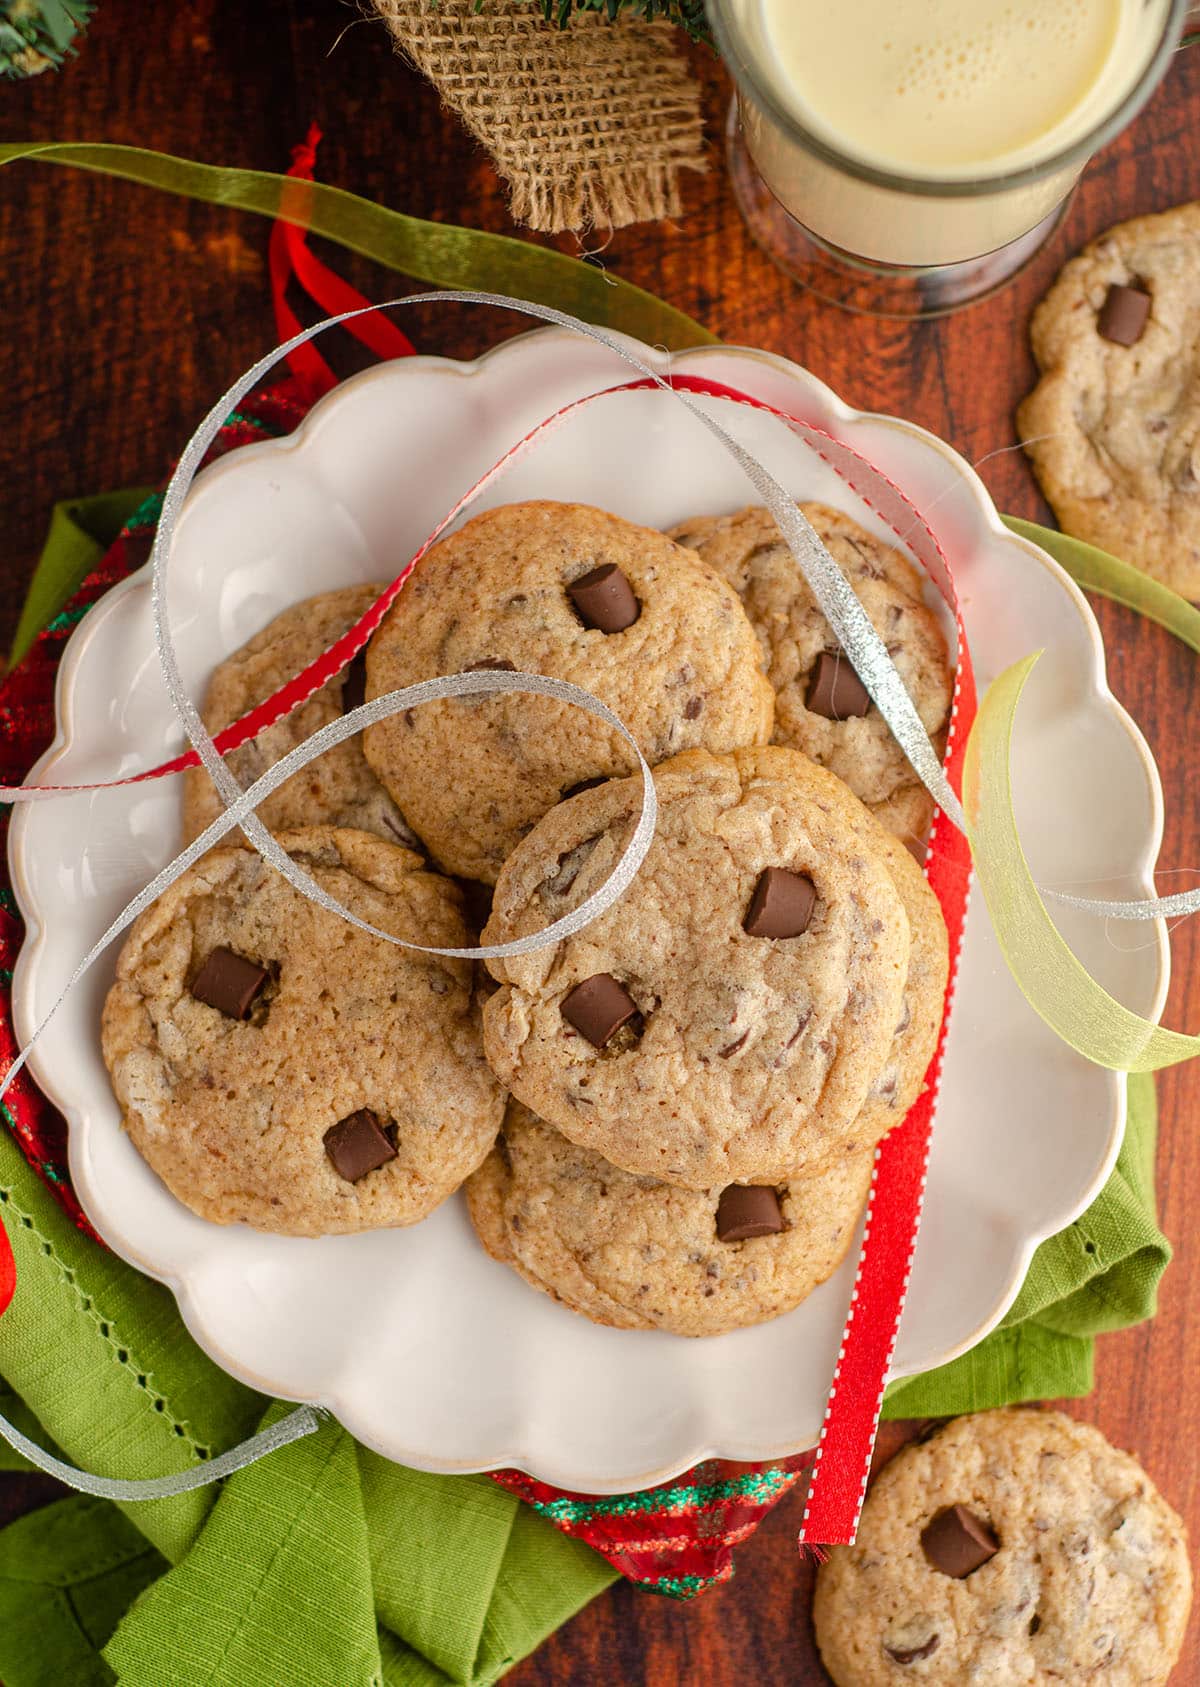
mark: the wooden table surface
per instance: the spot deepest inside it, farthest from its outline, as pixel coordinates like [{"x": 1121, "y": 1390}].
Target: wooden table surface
[{"x": 125, "y": 311}]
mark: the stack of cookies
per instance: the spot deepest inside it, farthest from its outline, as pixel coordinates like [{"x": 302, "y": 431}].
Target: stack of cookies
[{"x": 666, "y": 1120}]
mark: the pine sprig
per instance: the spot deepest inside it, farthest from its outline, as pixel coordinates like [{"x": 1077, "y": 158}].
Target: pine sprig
[
  {"x": 689, "y": 14},
  {"x": 37, "y": 35}
]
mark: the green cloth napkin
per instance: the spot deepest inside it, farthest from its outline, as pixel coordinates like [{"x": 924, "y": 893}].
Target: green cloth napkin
[
  {"x": 81, "y": 530},
  {"x": 324, "y": 1564}
]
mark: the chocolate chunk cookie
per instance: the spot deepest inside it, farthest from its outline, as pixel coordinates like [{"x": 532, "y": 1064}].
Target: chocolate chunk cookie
[
  {"x": 642, "y": 1255},
  {"x": 821, "y": 707},
  {"x": 718, "y": 1024},
  {"x": 279, "y": 1067},
  {"x": 1014, "y": 1546},
  {"x": 1113, "y": 426},
  {"x": 571, "y": 592},
  {"x": 915, "y": 1040},
  {"x": 338, "y": 789}
]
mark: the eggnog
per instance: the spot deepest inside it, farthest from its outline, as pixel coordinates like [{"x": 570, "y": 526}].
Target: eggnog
[{"x": 926, "y": 132}]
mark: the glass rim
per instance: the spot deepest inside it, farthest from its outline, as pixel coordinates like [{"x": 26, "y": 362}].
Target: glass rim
[{"x": 943, "y": 187}]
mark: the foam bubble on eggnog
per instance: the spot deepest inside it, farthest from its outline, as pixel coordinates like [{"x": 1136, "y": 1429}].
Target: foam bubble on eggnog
[{"x": 953, "y": 87}]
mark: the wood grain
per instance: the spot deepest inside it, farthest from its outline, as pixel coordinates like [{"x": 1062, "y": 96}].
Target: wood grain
[{"x": 125, "y": 311}]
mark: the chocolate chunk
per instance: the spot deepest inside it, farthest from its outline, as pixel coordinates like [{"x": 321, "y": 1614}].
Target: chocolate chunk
[
  {"x": 358, "y": 1144},
  {"x": 229, "y": 983},
  {"x": 956, "y": 1542},
  {"x": 745, "y": 1211},
  {"x": 491, "y": 664},
  {"x": 781, "y": 906},
  {"x": 692, "y": 708},
  {"x": 1123, "y": 315},
  {"x": 598, "y": 1008},
  {"x": 914, "y": 1654},
  {"x": 604, "y": 599},
  {"x": 834, "y": 689},
  {"x": 354, "y": 682}
]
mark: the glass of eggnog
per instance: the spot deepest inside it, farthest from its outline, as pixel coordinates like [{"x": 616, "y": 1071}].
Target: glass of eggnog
[{"x": 906, "y": 157}]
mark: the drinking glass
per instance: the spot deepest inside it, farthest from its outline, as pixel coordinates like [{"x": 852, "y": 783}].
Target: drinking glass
[{"x": 884, "y": 242}]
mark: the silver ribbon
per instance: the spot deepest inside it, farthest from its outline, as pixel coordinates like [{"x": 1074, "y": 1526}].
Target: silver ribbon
[
  {"x": 305, "y": 1420},
  {"x": 481, "y": 682},
  {"x": 833, "y": 592},
  {"x": 1183, "y": 902}
]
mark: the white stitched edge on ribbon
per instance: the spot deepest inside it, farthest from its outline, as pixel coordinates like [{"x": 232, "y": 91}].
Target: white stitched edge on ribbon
[{"x": 305, "y": 1420}]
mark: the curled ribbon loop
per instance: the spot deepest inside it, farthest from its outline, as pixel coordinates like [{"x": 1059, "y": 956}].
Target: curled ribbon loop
[{"x": 833, "y": 591}]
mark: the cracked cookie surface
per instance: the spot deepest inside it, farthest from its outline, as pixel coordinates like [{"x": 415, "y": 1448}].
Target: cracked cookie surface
[
  {"x": 232, "y": 1114},
  {"x": 643, "y": 1255},
  {"x": 1091, "y": 1581},
  {"x": 751, "y": 1057},
  {"x": 1113, "y": 429},
  {"x": 748, "y": 550},
  {"x": 338, "y": 789},
  {"x": 473, "y": 775}
]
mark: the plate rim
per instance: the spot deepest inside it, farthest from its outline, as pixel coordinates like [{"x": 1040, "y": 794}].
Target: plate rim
[{"x": 37, "y": 930}]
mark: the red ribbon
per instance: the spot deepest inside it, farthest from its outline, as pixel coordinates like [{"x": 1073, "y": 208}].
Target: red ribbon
[
  {"x": 289, "y": 256},
  {"x": 847, "y": 1438},
  {"x": 843, "y": 1460},
  {"x": 8, "y": 1272}
]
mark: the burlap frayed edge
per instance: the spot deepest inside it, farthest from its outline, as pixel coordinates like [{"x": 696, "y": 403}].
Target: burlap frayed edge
[
  {"x": 589, "y": 127},
  {"x": 605, "y": 197}
]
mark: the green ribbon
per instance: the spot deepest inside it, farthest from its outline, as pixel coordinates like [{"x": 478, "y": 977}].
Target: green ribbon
[
  {"x": 1096, "y": 571},
  {"x": 1055, "y": 983},
  {"x": 440, "y": 253}
]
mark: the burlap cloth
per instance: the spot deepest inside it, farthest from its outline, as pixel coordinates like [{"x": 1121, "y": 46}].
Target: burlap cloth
[{"x": 589, "y": 126}]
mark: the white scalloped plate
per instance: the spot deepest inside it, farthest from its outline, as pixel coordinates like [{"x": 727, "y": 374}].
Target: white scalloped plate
[{"x": 425, "y": 1348}]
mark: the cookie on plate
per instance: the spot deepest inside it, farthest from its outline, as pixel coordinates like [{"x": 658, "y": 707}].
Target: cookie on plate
[
  {"x": 643, "y": 1255},
  {"x": 915, "y": 1038},
  {"x": 1013, "y": 1546},
  {"x": 277, "y": 1066},
  {"x": 1113, "y": 426},
  {"x": 821, "y": 706},
  {"x": 728, "y": 1019},
  {"x": 580, "y": 595},
  {"x": 338, "y": 789}
]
